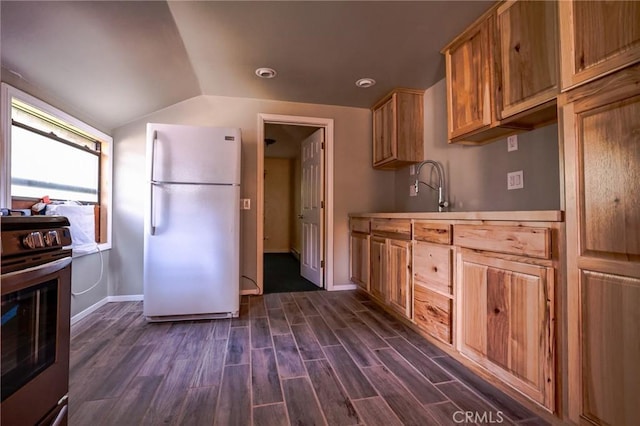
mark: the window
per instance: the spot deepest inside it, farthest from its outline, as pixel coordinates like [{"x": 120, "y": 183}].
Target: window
[{"x": 46, "y": 152}]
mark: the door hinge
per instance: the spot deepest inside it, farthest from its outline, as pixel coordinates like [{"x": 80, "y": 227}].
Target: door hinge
[
  {"x": 322, "y": 145},
  {"x": 322, "y": 204},
  {"x": 322, "y": 263}
]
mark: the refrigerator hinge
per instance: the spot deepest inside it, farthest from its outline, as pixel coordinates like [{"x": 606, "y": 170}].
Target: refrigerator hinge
[{"x": 322, "y": 263}]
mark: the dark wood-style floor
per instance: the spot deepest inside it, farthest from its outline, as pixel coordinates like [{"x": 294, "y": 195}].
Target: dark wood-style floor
[{"x": 313, "y": 358}]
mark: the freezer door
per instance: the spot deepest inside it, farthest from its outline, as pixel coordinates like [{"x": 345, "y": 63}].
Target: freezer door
[
  {"x": 177, "y": 153},
  {"x": 191, "y": 262}
]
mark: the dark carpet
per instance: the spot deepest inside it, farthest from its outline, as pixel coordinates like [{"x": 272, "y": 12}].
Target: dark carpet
[{"x": 282, "y": 274}]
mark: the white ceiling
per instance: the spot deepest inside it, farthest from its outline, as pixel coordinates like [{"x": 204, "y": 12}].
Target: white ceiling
[{"x": 119, "y": 60}]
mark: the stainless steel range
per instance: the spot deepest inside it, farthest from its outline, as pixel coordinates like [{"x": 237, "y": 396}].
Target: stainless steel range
[{"x": 35, "y": 324}]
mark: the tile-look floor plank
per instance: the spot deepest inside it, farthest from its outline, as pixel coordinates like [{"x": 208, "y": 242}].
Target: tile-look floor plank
[
  {"x": 403, "y": 404},
  {"x": 376, "y": 324},
  {"x": 272, "y": 301},
  {"x": 368, "y": 336},
  {"x": 199, "y": 406},
  {"x": 265, "y": 382},
  {"x": 234, "y": 402},
  {"x": 419, "y": 386},
  {"x": 135, "y": 401},
  {"x": 356, "y": 348},
  {"x": 270, "y": 415},
  {"x": 301, "y": 402},
  {"x": 238, "y": 347},
  {"x": 354, "y": 382},
  {"x": 307, "y": 344},
  {"x": 278, "y": 322},
  {"x": 288, "y": 358},
  {"x": 468, "y": 401},
  {"x": 243, "y": 318},
  {"x": 500, "y": 400},
  {"x": 222, "y": 329},
  {"x": 293, "y": 313},
  {"x": 209, "y": 369},
  {"x": 376, "y": 412},
  {"x": 325, "y": 336},
  {"x": 257, "y": 307},
  {"x": 307, "y": 308},
  {"x": 448, "y": 413},
  {"x": 160, "y": 360},
  {"x": 260, "y": 334},
  {"x": 337, "y": 408},
  {"x": 92, "y": 412},
  {"x": 419, "y": 360}
]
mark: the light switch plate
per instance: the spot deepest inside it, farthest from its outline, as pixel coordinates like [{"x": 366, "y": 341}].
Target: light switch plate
[
  {"x": 512, "y": 143},
  {"x": 515, "y": 180},
  {"x": 245, "y": 204}
]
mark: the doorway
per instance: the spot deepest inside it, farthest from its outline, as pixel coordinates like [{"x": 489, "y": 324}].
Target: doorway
[{"x": 293, "y": 205}]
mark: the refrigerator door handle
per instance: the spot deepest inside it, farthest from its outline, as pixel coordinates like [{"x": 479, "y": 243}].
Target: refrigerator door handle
[{"x": 152, "y": 228}]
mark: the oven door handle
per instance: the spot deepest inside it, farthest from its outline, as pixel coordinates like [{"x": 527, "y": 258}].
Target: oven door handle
[{"x": 35, "y": 272}]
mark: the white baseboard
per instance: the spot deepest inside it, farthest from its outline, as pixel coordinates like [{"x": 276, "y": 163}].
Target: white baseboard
[
  {"x": 341, "y": 287},
  {"x": 126, "y": 298}
]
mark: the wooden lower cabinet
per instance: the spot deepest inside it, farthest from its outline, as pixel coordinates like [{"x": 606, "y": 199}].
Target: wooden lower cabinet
[
  {"x": 399, "y": 276},
  {"x": 390, "y": 277},
  {"x": 378, "y": 259},
  {"x": 506, "y": 322},
  {"x": 359, "y": 259}
]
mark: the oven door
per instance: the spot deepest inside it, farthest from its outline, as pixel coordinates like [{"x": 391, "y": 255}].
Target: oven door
[{"x": 35, "y": 341}]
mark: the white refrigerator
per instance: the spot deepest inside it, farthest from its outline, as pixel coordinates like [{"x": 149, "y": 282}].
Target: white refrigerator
[{"x": 192, "y": 223}]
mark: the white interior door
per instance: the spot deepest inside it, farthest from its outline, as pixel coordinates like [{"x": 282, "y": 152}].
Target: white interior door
[{"x": 312, "y": 203}]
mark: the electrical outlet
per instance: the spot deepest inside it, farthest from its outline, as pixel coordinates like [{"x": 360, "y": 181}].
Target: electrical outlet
[
  {"x": 515, "y": 180},
  {"x": 245, "y": 204},
  {"x": 412, "y": 191},
  {"x": 512, "y": 143},
  {"x": 412, "y": 170}
]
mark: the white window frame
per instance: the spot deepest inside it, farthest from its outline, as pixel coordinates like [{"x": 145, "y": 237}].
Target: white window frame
[{"x": 7, "y": 93}]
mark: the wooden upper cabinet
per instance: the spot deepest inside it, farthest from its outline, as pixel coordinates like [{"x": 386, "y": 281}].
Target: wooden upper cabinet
[
  {"x": 502, "y": 73},
  {"x": 398, "y": 126},
  {"x": 597, "y": 37},
  {"x": 528, "y": 43},
  {"x": 469, "y": 81}
]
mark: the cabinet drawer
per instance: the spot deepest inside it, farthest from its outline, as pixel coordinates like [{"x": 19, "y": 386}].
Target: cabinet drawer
[
  {"x": 394, "y": 228},
  {"x": 433, "y": 232},
  {"x": 432, "y": 313},
  {"x": 359, "y": 224},
  {"x": 524, "y": 241},
  {"x": 432, "y": 266}
]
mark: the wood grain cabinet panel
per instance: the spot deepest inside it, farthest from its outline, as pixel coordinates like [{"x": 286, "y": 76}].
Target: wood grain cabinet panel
[
  {"x": 359, "y": 224},
  {"x": 359, "y": 259},
  {"x": 528, "y": 42},
  {"x": 432, "y": 266},
  {"x": 399, "y": 276},
  {"x": 469, "y": 81},
  {"x": 432, "y": 312},
  {"x": 432, "y": 232},
  {"x": 378, "y": 264},
  {"x": 394, "y": 228},
  {"x": 524, "y": 241},
  {"x": 398, "y": 126},
  {"x": 600, "y": 129},
  {"x": 507, "y": 320},
  {"x": 597, "y": 38}
]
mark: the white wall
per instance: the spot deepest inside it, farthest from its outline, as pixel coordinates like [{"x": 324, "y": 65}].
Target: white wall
[
  {"x": 357, "y": 187},
  {"x": 477, "y": 175}
]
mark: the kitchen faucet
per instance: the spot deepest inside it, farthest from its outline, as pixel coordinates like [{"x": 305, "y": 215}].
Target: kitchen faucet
[{"x": 442, "y": 203}]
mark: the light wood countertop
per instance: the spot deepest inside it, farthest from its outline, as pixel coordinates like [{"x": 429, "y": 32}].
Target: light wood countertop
[{"x": 533, "y": 215}]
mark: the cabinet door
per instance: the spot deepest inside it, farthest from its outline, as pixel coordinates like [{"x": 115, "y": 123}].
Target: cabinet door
[
  {"x": 384, "y": 138},
  {"x": 359, "y": 259},
  {"x": 597, "y": 37},
  {"x": 527, "y": 37},
  {"x": 469, "y": 82},
  {"x": 378, "y": 259},
  {"x": 507, "y": 322},
  {"x": 602, "y": 174},
  {"x": 399, "y": 276}
]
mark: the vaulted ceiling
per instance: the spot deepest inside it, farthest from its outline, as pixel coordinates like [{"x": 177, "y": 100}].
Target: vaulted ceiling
[{"x": 117, "y": 61}]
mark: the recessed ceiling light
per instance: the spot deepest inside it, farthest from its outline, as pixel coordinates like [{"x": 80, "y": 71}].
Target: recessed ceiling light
[
  {"x": 365, "y": 82},
  {"x": 266, "y": 72}
]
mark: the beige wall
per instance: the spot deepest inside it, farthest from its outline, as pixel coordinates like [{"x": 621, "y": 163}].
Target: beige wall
[
  {"x": 477, "y": 175},
  {"x": 357, "y": 187},
  {"x": 278, "y": 205}
]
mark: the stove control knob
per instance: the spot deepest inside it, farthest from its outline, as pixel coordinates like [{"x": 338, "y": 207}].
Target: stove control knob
[
  {"x": 51, "y": 238},
  {"x": 33, "y": 240}
]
